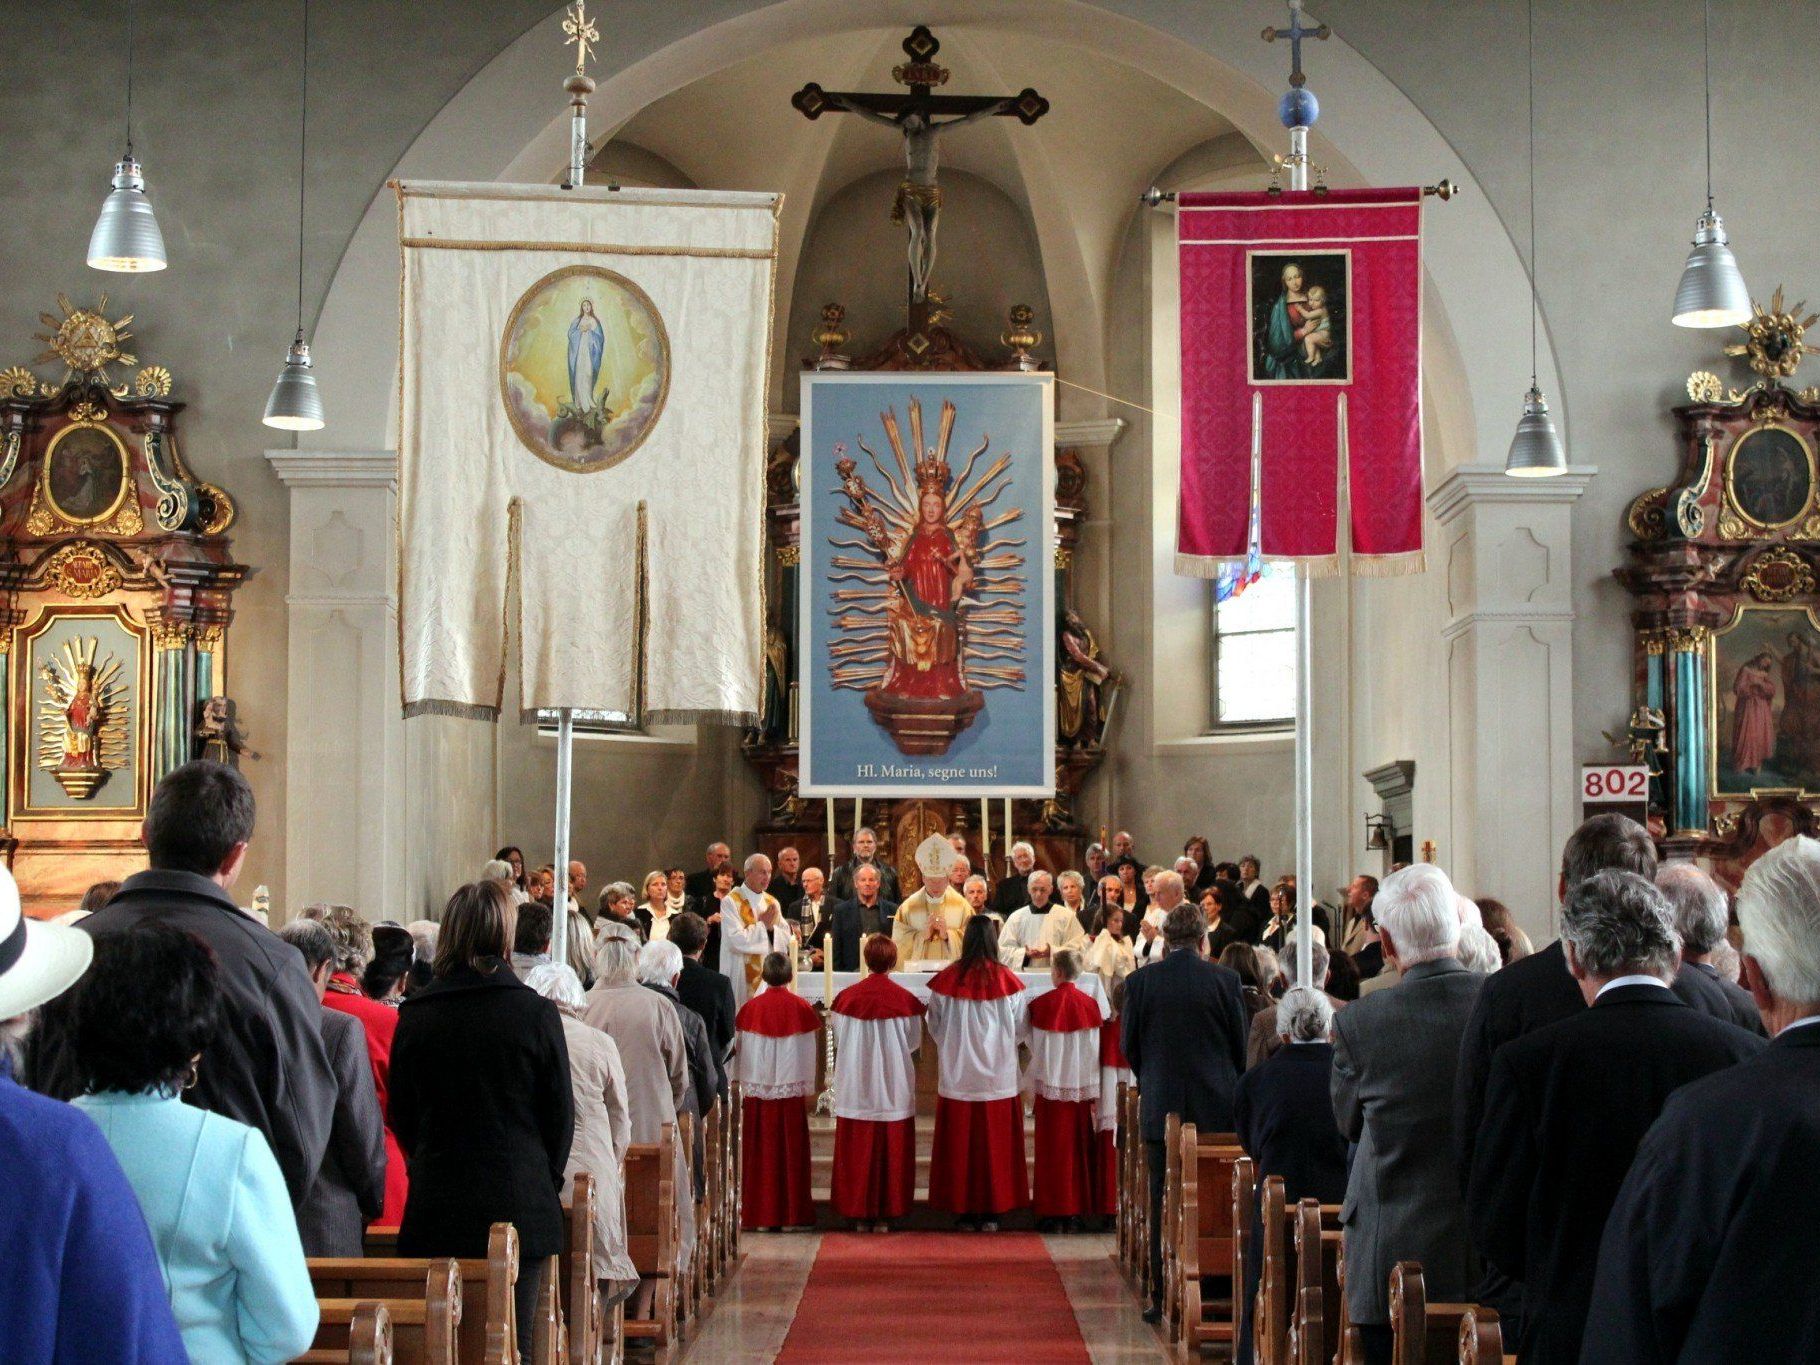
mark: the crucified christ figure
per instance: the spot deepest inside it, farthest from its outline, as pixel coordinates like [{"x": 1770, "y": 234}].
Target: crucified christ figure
[{"x": 919, "y": 197}]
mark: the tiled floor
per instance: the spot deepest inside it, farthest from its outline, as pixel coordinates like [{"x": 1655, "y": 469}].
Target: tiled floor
[{"x": 752, "y": 1313}]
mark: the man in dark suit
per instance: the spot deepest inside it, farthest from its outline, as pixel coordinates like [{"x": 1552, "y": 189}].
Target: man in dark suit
[
  {"x": 845, "y": 928},
  {"x": 1013, "y": 890},
  {"x": 841, "y": 885},
  {"x": 1708, "y": 1253},
  {"x": 701, "y": 881},
  {"x": 1567, "y": 1105},
  {"x": 702, "y": 989},
  {"x": 786, "y": 884},
  {"x": 1394, "y": 1057},
  {"x": 1183, "y": 1032},
  {"x": 1701, "y": 918},
  {"x": 1529, "y": 994}
]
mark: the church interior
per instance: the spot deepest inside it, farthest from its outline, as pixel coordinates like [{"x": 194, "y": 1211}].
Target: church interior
[{"x": 1027, "y": 461}]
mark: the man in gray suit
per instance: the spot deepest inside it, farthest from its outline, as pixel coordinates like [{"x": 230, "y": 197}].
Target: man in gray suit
[{"x": 1394, "y": 1058}]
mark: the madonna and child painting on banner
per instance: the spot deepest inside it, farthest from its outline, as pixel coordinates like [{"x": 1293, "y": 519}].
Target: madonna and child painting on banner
[
  {"x": 927, "y": 600},
  {"x": 1766, "y": 695}
]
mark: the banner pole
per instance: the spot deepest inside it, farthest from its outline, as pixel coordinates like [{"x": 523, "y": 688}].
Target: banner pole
[
  {"x": 1297, "y": 166},
  {"x": 565, "y": 763}
]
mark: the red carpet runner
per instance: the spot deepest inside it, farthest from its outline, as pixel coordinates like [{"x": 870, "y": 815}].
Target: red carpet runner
[{"x": 933, "y": 1297}]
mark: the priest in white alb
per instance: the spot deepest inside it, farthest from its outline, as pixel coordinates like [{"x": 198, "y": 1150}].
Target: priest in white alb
[
  {"x": 1037, "y": 931},
  {"x": 878, "y": 1025},
  {"x": 778, "y": 1030},
  {"x": 752, "y": 925},
  {"x": 978, "y": 1016},
  {"x": 1064, "y": 1081},
  {"x": 931, "y": 920}
]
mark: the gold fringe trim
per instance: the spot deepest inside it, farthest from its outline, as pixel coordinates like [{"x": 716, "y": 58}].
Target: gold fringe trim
[
  {"x": 739, "y": 253},
  {"x": 1203, "y": 566},
  {"x": 1390, "y": 566},
  {"x": 461, "y": 710},
  {"x": 1315, "y": 566},
  {"x": 704, "y": 716}
]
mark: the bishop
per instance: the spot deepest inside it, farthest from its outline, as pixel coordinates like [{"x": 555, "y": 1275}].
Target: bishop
[{"x": 930, "y": 921}]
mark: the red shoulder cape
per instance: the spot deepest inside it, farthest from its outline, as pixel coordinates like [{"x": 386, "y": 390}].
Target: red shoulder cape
[
  {"x": 987, "y": 981},
  {"x": 776, "y": 1013},
  {"x": 1066, "y": 1009},
  {"x": 878, "y": 997}
]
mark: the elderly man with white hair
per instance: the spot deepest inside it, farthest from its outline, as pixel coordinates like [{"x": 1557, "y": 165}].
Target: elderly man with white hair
[
  {"x": 1034, "y": 934},
  {"x": 752, "y": 925},
  {"x": 1567, "y": 1106},
  {"x": 1708, "y": 1253},
  {"x": 1701, "y": 919},
  {"x": 1395, "y": 1055},
  {"x": 1013, "y": 890}
]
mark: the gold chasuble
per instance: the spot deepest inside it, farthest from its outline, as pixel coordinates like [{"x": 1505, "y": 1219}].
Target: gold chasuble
[{"x": 929, "y": 929}]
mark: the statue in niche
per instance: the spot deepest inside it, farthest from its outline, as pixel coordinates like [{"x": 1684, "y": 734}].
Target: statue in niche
[
  {"x": 1082, "y": 686},
  {"x": 218, "y": 736}
]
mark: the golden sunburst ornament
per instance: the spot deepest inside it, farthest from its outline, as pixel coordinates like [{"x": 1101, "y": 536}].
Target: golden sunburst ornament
[
  {"x": 84, "y": 340},
  {"x": 1776, "y": 337}
]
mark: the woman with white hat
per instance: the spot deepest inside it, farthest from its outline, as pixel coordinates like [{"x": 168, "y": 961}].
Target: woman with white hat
[{"x": 82, "y": 1279}]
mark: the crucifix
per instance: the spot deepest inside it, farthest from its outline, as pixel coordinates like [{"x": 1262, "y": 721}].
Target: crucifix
[
  {"x": 1295, "y": 33},
  {"x": 916, "y": 115}
]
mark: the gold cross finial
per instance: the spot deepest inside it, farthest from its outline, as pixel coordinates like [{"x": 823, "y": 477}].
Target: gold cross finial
[{"x": 581, "y": 32}]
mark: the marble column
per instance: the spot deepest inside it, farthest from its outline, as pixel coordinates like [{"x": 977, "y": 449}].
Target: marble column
[
  {"x": 346, "y": 791},
  {"x": 1506, "y": 547}
]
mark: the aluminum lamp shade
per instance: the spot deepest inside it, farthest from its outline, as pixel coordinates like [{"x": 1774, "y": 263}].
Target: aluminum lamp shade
[
  {"x": 296, "y": 403},
  {"x": 126, "y": 236},
  {"x": 1712, "y": 292},
  {"x": 1535, "y": 451}
]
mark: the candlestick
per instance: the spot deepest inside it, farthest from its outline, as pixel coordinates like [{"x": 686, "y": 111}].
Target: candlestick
[
  {"x": 985, "y": 837},
  {"x": 1008, "y": 836},
  {"x": 830, "y": 868},
  {"x": 858, "y": 804}
]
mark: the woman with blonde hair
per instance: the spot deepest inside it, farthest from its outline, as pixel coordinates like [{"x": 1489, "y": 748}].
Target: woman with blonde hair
[{"x": 658, "y": 908}]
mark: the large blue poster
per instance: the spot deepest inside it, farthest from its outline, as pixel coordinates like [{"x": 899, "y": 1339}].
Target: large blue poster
[{"x": 928, "y": 621}]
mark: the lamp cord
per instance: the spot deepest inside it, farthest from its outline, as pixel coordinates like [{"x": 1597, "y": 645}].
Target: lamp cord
[
  {"x": 1534, "y": 302},
  {"x": 132, "y": 12},
  {"x": 1706, "y": 50},
  {"x": 303, "y": 149}
]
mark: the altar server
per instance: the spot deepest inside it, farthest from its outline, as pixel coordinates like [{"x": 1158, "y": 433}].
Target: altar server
[
  {"x": 1064, "y": 1081},
  {"x": 1113, "y": 1069},
  {"x": 752, "y": 925},
  {"x": 978, "y": 1016},
  {"x": 776, "y": 1066},
  {"x": 1035, "y": 933},
  {"x": 877, "y": 1026},
  {"x": 930, "y": 921}
]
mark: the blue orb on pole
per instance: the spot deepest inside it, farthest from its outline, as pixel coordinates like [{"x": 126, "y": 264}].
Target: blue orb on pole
[{"x": 1298, "y": 108}]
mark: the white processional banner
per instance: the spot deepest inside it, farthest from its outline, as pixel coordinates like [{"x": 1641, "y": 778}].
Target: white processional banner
[{"x": 582, "y": 448}]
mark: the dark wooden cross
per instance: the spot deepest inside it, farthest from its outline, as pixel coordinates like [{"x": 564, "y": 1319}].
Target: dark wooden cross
[{"x": 920, "y": 115}]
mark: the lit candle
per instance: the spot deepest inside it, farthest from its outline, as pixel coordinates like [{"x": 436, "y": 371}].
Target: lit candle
[
  {"x": 830, "y": 866},
  {"x": 858, "y": 803},
  {"x": 985, "y": 836},
  {"x": 1008, "y": 836},
  {"x": 828, "y": 972}
]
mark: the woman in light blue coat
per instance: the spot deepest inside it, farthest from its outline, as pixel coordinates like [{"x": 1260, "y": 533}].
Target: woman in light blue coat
[{"x": 210, "y": 1188}]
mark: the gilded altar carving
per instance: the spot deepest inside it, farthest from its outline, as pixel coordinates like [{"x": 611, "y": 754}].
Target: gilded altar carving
[
  {"x": 1779, "y": 576},
  {"x": 1775, "y": 337},
  {"x": 82, "y": 571},
  {"x": 1687, "y": 639},
  {"x": 82, "y": 734}
]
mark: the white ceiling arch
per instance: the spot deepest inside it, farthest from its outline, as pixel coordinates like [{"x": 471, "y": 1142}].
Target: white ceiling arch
[{"x": 507, "y": 123}]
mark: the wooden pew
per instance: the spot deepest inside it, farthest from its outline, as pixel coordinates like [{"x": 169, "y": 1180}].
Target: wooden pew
[
  {"x": 1319, "y": 1314},
  {"x": 467, "y": 1301},
  {"x": 1243, "y": 1196},
  {"x": 1423, "y": 1333},
  {"x": 592, "y": 1335},
  {"x": 1172, "y": 1212},
  {"x": 368, "y": 1330},
  {"x": 1277, "y": 1298},
  {"x": 708, "y": 1211},
  {"x": 685, "y": 1189},
  {"x": 1124, "y": 1141},
  {"x": 1481, "y": 1338},
  {"x": 736, "y": 1165},
  {"x": 653, "y": 1237},
  {"x": 1204, "y": 1255}
]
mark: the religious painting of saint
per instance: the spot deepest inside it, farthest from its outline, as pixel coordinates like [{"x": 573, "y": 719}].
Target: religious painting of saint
[
  {"x": 1770, "y": 476},
  {"x": 584, "y": 368},
  {"x": 85, "y": 474},
  {"x": 926, "y": 599},
  {"x": 1765, "y": 688},
  {"x": 1300, "y": 308}
]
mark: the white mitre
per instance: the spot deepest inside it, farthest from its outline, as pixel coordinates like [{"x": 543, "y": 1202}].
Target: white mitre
[{"x": 935, "y": 856}]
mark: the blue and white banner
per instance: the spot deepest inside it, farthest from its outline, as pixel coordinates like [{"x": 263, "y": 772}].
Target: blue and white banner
[{"x": 927, "y": 630}]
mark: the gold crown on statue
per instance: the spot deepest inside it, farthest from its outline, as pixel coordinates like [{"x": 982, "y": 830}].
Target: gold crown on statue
[{"x": 932, "y": 473}]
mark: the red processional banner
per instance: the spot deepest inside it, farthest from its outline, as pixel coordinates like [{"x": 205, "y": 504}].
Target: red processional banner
[{"x": 1301, "y": 353}]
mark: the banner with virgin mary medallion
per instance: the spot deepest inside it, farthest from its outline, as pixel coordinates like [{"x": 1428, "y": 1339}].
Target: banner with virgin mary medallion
[{"x": 927, "y": 626}]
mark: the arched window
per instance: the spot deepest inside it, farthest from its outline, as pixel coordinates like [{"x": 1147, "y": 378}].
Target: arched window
[{"x": 1252, "y": 651}]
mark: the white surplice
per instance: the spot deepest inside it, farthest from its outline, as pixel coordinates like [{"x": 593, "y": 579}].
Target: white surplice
[
  {"x": 976, "y": 1041},
  {"x": 1151, "y": 950},
  {"x": 1055, "y": 928},
  {"x": 874, "y": 1073},
  {"x": 744, "y": 942}
]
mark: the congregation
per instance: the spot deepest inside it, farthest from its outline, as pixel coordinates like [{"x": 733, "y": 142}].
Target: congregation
[{"x": 211, "y": 1102}]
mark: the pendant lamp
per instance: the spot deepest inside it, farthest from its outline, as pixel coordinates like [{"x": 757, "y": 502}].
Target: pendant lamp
[
  {"x": 296, "y": 403},
  {"x": 1535, "y": 451},
  {"x": 126, "y": 236},
  {"x": 1712, "y": 292}
]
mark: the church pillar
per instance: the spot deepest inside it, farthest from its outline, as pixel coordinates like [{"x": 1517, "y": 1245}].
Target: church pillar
[
  {"x": 1506, "y": 546},
  {"x": 345, "y": 771}
]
